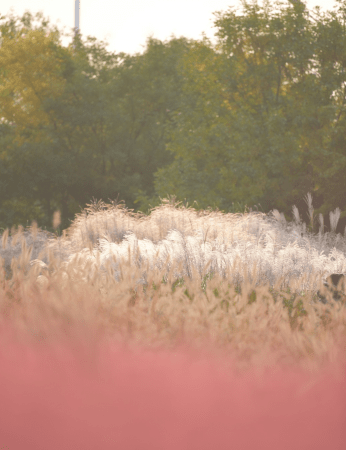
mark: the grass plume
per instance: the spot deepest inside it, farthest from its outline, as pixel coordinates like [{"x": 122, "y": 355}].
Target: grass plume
[{"x": 246, "y": 292}]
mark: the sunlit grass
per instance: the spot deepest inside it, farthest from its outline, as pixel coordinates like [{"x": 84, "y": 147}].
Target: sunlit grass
[
  {"x": 177, "y": 331},
  {"x": 227, "y": 283}
]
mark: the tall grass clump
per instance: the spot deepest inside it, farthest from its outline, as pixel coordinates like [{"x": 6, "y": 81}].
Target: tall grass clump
[{"x": 211, "y": 297}]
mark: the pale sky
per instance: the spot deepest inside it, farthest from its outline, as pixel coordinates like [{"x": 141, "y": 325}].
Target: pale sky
[{"x": 125, "y": 25}]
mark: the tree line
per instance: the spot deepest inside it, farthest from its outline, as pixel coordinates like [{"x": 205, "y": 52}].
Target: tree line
[{"x": 259, "y": 119}]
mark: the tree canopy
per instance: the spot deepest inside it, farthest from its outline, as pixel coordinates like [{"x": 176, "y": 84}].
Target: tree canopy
[
  {"x": 259, "y": 119},
  {"x": 267, "y": 124}
]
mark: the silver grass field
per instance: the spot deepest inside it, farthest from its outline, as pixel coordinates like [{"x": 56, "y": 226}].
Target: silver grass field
[{"x": 249, "y": 285}]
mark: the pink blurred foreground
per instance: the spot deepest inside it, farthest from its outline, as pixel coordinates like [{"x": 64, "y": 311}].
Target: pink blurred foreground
[{"x": 54, "y": 398}]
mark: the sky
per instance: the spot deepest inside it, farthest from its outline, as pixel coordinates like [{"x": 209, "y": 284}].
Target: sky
[{"x": 125, "y": 25}]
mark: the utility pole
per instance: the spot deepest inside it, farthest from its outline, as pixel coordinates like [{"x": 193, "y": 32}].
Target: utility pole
[{"x": 76, "y": 18}]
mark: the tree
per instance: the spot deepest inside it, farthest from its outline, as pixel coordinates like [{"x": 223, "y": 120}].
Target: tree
[
  {"x": 258, "y": 128},
  {"x": 93, "y": 128},
  {"x": 27, "y": 77},
  {"x": 30, "y": 68},
  {"x": 257, "y": 119}
]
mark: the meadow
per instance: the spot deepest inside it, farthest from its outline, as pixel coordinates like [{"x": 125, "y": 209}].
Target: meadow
[{"x": 179, "y": 330}]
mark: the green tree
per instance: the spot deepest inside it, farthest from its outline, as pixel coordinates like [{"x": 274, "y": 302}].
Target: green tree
[
  {"x": 257, "y": 119},
  {"x": 257, "y": 130},
  {"x": 97, "y": 130},
  {"x": 27, "y": 77},
  {"x": 330, "y": 165}
]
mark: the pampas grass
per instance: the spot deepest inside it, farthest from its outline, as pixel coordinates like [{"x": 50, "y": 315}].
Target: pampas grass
[
  {"x": 208, "y": 277},
  {"x": 238, "y": 289}
]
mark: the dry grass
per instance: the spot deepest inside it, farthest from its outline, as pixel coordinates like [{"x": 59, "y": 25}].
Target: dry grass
[{"x": 248, "y": 309}]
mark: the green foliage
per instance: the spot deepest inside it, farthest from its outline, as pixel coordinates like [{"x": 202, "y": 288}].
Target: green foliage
[
  {"x": 258, "y": 126},
  {"x": 103, "y": 135},
  {"x": 257, "y": 119},
  {"x": 19, "y": 208}
]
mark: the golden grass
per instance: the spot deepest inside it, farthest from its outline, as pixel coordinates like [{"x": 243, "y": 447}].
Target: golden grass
[{"x": 259, "y": 324}]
